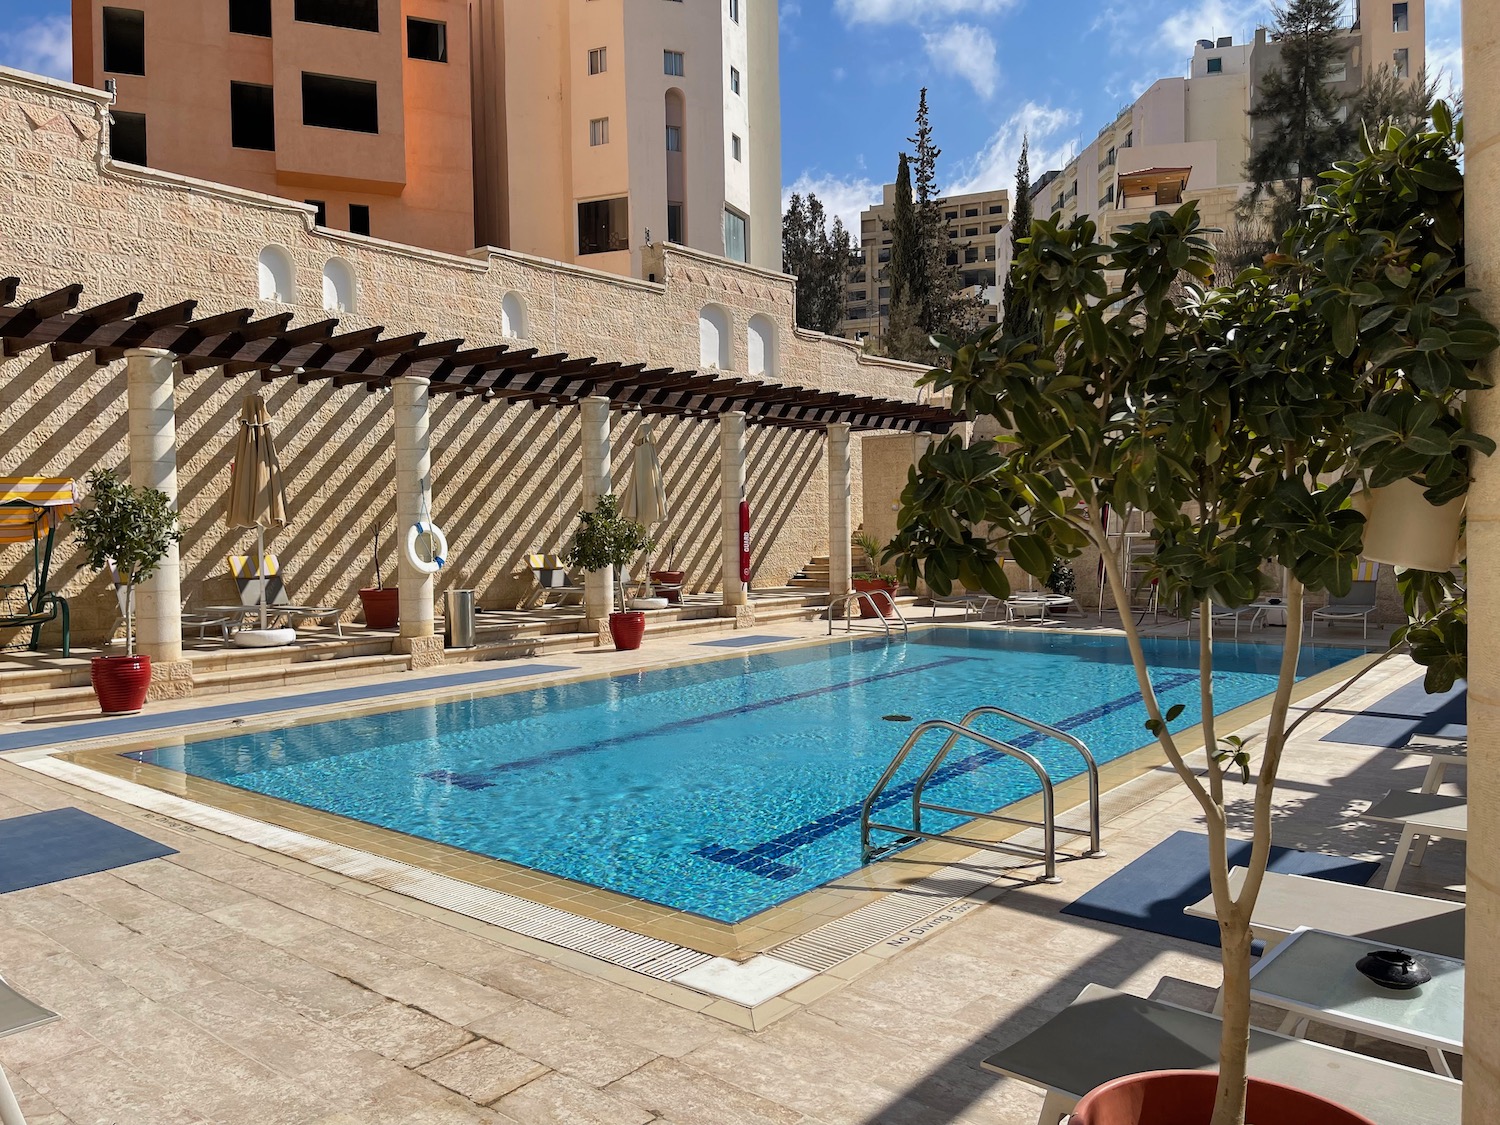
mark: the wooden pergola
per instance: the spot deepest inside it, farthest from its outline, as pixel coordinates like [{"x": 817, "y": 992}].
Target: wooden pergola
[{"x": 272, "y": 348}]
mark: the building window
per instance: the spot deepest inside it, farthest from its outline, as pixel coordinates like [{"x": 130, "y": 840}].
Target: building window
[
  {"x": 1338, "y": 72},
  {"x": 997, "y": 208},
  {"x": 671, "y": 63},
  {"x": 127, "y": 136},
  {"x": 735, "y": 245},
  {"x": 598, "y": 60},
  {"x": 1129, "y": 139},
  {"x": 252, "y": 116},
  {"x": 674, "y": 138},
  {"x": 604, "y": 225},
  {"x": 885, "y": 292},
  {"x": 989, "y": 253},
  {"x": 734, "y": 80},
  {"x": 734, "y": 10},
  {"x": 736, "y": 147},
  {"x": 885, "y": 255},
  {"x": 360, "y": 15},
  {"x": 124, "y": 41},
  {"x": 598, "y": 132},
  {"x": 952, "y": 258},
  {"x": 952, "y": 232},
  {"x": 971, "y": 232},
  {"x": 340, "y": 103},
  {"x": 426, "y": 39},
  {"x": 971, "y": 254},
  {"x": 1216, "y": 66},
  {"x": 994, "y": 228},
  {"x": 359, "y": 218},
  {"x": 1402, "y": 58},
  {"x": 321, "y": 218},
  {"x": 1399, "y": 19},
  {"x": 674, "y": 222},
  {"x": 950, "y": 215},
  {"x": 970, "y": 212},
  {"x": 250, "y": 17}
]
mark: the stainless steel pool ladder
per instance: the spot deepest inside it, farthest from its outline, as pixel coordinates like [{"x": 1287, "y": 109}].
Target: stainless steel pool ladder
[
  {"x": 885, "y": 618},
  {"x": 963, "y": 729}
]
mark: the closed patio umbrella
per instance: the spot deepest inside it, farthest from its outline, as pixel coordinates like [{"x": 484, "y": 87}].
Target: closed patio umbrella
[
  {"x": 256, "y": 496},
  {"x": 645, "y": 501}
]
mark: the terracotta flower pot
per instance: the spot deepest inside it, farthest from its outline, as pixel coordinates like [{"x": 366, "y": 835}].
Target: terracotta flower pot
[
  {"x": 120, "y": 682},
  {"x": 1186, "y": 1097},
  {"x": 1403, "y": 529},
  {"x": 627, "y": 629},
  {"x": 872, "y": 607},
  {"x": 382, "y": 606}
]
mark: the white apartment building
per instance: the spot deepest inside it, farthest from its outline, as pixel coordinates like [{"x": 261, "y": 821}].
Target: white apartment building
[{"x": 601, "y": 125}]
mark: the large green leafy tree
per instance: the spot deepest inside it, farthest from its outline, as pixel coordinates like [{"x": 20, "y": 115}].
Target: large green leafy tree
[
  {"x": 1018, "y": 315},
  {"x": 1300, "y": 127},
  {"x": 1239, "y": 418},
  {"x": 820, "y": 256}
]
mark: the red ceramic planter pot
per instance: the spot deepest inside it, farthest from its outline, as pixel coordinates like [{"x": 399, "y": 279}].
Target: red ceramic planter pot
[
  {"x": 868, "y": 606},
  {"x": 120, "y": 682},
  {"x": 627, "y": 629},
  {"x": 1186, "y": 1097},
  {"x": 382, "y": 606}
]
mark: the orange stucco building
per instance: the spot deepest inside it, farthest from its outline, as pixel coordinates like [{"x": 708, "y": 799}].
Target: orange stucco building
[{"x": 361, "y": 107}]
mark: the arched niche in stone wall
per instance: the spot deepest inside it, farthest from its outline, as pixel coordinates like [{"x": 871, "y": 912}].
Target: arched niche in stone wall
[
  {"x": 760, "y": 340},
  {"x": 714, "y": 337},
  {"x": 513, "y": 316},
  {"x": 276, "y": 275},
  {"x": 340, "y": 292}
]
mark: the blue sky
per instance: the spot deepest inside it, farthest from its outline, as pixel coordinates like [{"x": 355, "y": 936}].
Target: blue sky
[{"x": 851, "y": 69}]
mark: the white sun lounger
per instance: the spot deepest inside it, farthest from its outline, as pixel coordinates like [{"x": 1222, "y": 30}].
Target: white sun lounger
[
  {"x": 1419, "y": 814},
  {"x": 1405, "y": 921},
  {"x": 1104, "y": 1035},
  {"x": 1443, "y": 754},
  {"x": 16, "y": 1014}
]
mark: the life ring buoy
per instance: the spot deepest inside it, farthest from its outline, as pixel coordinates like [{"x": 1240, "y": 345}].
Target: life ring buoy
[{"x": 437, "y": 543}]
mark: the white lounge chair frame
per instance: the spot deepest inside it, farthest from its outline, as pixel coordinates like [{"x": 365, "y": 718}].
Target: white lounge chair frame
[{"x": 1419, "y": 815}]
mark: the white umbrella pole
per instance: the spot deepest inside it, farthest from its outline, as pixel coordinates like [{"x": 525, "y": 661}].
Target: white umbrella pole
[{"x": 260, "y": 566}]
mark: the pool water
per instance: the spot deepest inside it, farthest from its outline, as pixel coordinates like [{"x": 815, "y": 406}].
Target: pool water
[{"x": 725, "y": 787}]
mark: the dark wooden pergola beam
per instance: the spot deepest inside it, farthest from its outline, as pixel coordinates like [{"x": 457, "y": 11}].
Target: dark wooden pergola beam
[
  {"x": 122, "y": 335},
  {"x": 201, "y": 356},
  {"x": 19, "y": 327}
]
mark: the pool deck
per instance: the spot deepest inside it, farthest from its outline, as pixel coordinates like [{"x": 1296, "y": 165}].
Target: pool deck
[{"x": 229, "y": 983}]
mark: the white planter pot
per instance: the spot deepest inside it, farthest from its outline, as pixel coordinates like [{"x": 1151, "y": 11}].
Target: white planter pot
[{"x": 1403, "y": 529}]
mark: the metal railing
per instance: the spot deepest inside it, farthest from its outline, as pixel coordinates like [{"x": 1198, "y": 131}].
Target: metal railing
[
  {"x": 859, "y": 595},
  {"x": 909, "y": 834}
]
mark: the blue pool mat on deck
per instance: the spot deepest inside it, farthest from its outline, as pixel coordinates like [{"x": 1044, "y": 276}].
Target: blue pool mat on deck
[
  {"x": 1151, "y": 892},
  {"x": 1405, "y": 714},
  {"x": 743, "y": 642},
  {"x": 50, "y": 734},
  {"x": 48, "y": 847}
]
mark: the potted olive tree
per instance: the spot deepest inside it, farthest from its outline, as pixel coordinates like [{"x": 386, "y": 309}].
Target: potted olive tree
[
  {"x": 605, "y": 539},
  {"x": 1240, "y": 419},
  {"x": 381, "y": 603},
  {"x": 872, "y": 581},
  {"x": 133, "y": 528}
]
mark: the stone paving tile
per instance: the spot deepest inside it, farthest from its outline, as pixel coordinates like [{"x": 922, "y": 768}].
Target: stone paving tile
[
  {"x": 97, "y": 1087},
  {"x": 308, "y": 989},
  {"x": 156, "y": 971},
  {"x": 483, "y": 1071},
  {"x": 351, "y": 955},
  {"x": 401, "y": 1033},
  {"x": 25, "y": 943},
  {"x": 36, "y": 1109},
  {"x": 275, "y": 924},
  {"x": 172, "y": 882},
  {"x": 673, "y": 1088},
  {"x": 448, "y": 996},
  {"x": 569, "y": 1046},
  {"x": 556, "y": 1099}
]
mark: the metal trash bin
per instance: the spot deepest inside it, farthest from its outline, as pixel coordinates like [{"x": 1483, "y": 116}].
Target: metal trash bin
[{"x": 458, "y": 619}]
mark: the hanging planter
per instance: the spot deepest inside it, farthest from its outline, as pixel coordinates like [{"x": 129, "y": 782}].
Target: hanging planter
[
  {"x": 1403, "y": 529},
  {"x": 1186, "y": 1097}
]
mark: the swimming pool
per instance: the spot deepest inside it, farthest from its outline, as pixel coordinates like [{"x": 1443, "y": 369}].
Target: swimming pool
[{"x": 725, "y": 787}]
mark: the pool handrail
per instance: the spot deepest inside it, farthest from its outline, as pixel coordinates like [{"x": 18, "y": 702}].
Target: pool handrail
[
  {"x": 963, "y": 730},
  {"x": 851, "y": 595}
]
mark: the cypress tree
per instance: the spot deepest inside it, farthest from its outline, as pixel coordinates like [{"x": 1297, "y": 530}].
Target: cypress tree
[{"x": 1018, "y": 314}]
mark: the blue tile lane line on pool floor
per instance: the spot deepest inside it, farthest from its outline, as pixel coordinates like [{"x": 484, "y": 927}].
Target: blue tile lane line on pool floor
[
  {"x": 743, "y": 642},
  {"x": 137, "y": 724},
  {"x": 762, "y": 859},
  {"x": 485, "y": 778}
]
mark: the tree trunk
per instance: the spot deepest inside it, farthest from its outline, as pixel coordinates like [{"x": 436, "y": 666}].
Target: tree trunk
[{"x": 1234, "y": 1038}]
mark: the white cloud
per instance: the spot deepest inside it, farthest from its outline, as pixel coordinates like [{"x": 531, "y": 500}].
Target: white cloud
[
  {"x": 1445, "y": 56},
  {"x": 967, "y": 51},
  {"x": 915, "y": 11},
  {"x": 42, "y": 47},
  {"x": 844, "y": 197},
  {"x": 995, "y": 165}
]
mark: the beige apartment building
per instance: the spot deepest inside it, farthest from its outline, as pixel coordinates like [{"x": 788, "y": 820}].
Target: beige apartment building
[
  {"x": 971, "y": 221},
  {"x": 575, "y": 130},
  {"x": 1190, "y": 138}
]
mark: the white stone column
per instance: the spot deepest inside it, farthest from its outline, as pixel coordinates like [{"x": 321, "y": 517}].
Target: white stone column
[
  {"x": 1481, "y": 45},
  {"x": 153, "y": 464},
  {"x": 593, "y": 413},
  {"x": 840, "y": 554},
  {"x": 412, "y": 421},
  {"x": 732, "y": 491}
]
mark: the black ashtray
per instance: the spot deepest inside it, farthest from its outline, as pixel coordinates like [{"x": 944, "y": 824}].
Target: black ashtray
[{"x": 1393, "y": 968}]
